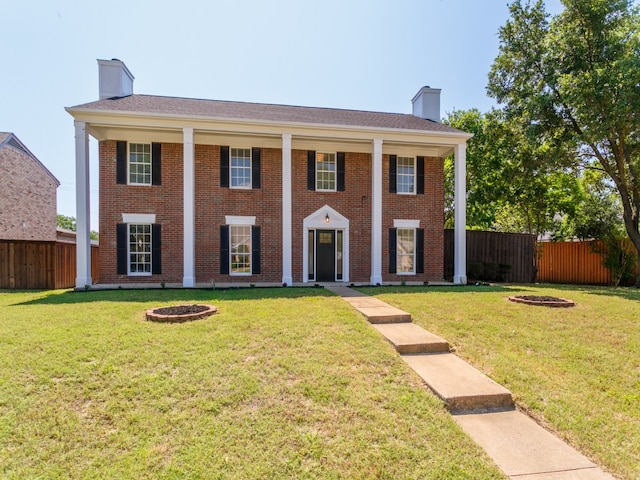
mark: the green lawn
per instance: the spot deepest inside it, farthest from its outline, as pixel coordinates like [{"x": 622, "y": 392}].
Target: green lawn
[
  {"x": 283, "y": 383},
  {"x": 575, "y": 370}
]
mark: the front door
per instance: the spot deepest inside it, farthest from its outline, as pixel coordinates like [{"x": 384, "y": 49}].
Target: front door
[{"x": 325, "y": 256}]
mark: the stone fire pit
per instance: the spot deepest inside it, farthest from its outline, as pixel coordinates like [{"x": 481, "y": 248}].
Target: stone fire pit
[
  {"x": 180, "y": 313},
  {"x": 544, "y": 301}
]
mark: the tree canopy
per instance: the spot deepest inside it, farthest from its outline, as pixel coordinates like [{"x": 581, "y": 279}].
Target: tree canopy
[{"x": 573, "y": 82}]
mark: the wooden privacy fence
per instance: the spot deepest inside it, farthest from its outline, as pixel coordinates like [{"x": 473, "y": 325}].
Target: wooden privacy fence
[
  {"x": 41, "y": 265},
  {"x": 500, "y": 256},
  {"x": 572, "y": 262}
]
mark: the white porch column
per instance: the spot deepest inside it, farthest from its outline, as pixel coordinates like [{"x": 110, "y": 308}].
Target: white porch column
[
  {"x": 460, "y": 205},
  {"x": 189, "y": 278},
  {"x": 287, "y": 244},
  {"x": 376, "y": 213},
  {"x": 83, "y": 220}
]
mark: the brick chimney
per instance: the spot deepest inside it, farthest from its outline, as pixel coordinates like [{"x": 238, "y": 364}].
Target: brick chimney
[
  {"x": 115, "y": 79},
  {"x": 426, "y": 103}
]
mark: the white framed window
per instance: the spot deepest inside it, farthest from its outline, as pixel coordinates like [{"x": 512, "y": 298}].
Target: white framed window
[
  {"x": 406, "y": 175},
  {"x": 406, "y": 251},
  {"x": 240, "y": 249},
  {"x": 139, "y": 249},
  {"x": 139, "y": 163},
  {"x": 325, "y": 172},
  {"x": 240, "y": 172}
]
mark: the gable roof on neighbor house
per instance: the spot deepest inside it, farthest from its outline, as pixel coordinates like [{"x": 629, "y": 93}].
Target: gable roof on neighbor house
[{"x": 10, "y": 141}]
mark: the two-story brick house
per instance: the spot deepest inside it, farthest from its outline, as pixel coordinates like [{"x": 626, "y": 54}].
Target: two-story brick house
[
  {"x": 27, "y": 193},
  {"x": 196, "y": 191}
]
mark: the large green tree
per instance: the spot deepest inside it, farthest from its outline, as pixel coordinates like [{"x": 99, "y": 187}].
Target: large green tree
[{"x": 574, "y": 80}]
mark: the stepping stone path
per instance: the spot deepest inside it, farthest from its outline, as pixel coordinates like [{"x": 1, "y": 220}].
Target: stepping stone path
[{"x": 484, "y": 409}]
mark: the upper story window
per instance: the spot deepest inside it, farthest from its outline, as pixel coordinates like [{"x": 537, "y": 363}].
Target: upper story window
[
  {"x": 326, "y": 172},
  {"x": 240, "y": 168},
  {"x": 406, "y": 175},
  {"x": 140, "y": 163}
]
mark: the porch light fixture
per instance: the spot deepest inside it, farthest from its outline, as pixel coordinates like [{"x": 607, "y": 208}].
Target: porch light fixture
[{"x": 327, "y": 219}]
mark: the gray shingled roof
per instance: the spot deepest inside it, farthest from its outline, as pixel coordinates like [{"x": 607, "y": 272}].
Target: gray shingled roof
[{"x": 176, "y": 106}]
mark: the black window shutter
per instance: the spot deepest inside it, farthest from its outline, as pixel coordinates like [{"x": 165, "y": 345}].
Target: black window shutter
[
  {"x": 420, "y": 250},
  {"x": 121, "y": 248},
  {"x": 311, "y": 170},
  {"x": 393, "y": 246},
  {"x": 224, "y": 167},
  {"x": 156, "y": 248},
  {"x": 255, "y": 168},
  {"x": 121, "y": 163},
  {"x": 156, "y": 164},
  {"x": 340, "y": 167},
  {"x": 224, "y": 249},
  {"x": 255, "y": 250},
  {"x": 393, "y": 167},
  {"x": 420, "y": 175}
]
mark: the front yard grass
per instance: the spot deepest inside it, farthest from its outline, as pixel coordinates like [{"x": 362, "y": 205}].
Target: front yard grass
[
  {"x": 576, "y": 370},
  {"x": 282, "y": 383}
]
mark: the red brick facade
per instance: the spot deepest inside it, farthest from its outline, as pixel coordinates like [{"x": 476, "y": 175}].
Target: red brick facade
[
  {"x": 213, "y": 203},
  {"x": 27, "y": 198}
]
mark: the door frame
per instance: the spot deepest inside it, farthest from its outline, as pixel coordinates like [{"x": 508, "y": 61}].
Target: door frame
[{"x": 325, "y": 218}]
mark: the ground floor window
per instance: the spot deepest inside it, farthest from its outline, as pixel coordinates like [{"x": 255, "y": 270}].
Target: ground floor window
[
  {"x": 240, "y": 246},
  {"x": 406, "y": 248},
  {"x": 240, "y": 250},
  {"x": 138, "y": 248},
  {"x": 405, "y": 253}
]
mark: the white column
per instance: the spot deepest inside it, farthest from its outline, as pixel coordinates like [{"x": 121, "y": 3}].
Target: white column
[
  {"x": 460, "y": 207},
  {"x": 376, "y": 213},
  {"x": 287, "y": 244},
  {"x": 83, "y": 220},
  {"x": 189, "y": 278}
]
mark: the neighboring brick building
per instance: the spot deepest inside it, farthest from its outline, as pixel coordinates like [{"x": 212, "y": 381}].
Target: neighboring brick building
[
  {"x": 198, "y": 191},
  {"x": 27, "y": 193}
]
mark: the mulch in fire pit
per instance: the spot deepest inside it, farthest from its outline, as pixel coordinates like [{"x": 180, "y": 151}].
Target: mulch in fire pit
[
  {"x": 180, "y": 313},
  {"x": 542, "y": 300}
]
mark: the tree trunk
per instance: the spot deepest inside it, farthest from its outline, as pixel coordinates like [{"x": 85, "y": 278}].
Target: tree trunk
[{"x": 634, "y": 235}]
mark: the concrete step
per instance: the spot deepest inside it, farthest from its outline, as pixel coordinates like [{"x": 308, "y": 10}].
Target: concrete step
[
  {"x": 525, "y": 450},
  {"x": 411, "y": 338},
  {"x": 462, "y": 387}
]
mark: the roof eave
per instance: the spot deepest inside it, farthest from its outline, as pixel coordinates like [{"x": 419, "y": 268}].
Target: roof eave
[{"x": 96, "y": 115}]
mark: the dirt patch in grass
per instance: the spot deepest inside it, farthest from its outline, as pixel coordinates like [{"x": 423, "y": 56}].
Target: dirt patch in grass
[
  {"x": 542, "y": 300},
  {"x": 180, "y": 313}
]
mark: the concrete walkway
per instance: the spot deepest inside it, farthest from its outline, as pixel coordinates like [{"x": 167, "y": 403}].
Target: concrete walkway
[{"x": 484, "y": 409}]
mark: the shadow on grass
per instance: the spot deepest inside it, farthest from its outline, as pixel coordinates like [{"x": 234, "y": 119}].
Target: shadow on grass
[
  {"x": 410, "y": 289},
  {"x": 628, "y": 293},
  {"x": 172, "y": 295}
]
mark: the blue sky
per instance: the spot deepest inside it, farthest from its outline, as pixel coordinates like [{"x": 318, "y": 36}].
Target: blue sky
[{"x": 357, "y": 54}]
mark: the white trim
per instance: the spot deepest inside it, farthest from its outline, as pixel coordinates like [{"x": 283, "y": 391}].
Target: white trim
[
  {"x": 239, "y": 220},
  {"x": 287, "y": 242},
  {"x": 83, "y": 210},
  {"x": 398, "y": 223},
  {"x": 139, "y": 218},
  {"x": 316, "y": 221},
  {"x": 189, "y": 238},
  {"x": 376, "y": 212},
  {"x": 460, "y": 216}
]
